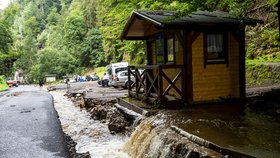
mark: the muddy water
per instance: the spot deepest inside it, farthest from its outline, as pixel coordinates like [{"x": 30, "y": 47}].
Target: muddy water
[
  {"x": 90, "y": 135},
  {"x": 224, "y": 125},
  {"x": 228, "y": 127},
  {"x": 154, "y": 139}
]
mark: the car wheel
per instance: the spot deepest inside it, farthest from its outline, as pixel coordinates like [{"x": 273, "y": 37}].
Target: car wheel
[{"x": 126, "y": 84}]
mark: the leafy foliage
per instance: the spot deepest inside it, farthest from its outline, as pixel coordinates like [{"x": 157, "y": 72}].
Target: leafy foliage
[
  {"x": 263, "y": 40},
  {"x": 258, "y": 73},
  {"x": 3, "y": 85},
  {"x": 62, "y": 36},
  {"x": 92, "y": 51},
  {"x": 5, "y": 39}
]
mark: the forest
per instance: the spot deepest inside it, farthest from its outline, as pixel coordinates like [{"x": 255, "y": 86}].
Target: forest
[{"x": 40, "y": 37}]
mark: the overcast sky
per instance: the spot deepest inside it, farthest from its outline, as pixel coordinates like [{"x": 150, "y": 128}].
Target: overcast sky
[{"x": 4, "y": 3}]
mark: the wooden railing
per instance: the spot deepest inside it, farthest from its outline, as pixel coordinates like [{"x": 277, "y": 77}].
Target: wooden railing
[{"x": 148, "y": 80}]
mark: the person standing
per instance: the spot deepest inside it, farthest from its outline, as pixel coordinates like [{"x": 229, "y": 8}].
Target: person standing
[
  {"x": 67, "y": 82},
  {"x": 41, "y": 83}
]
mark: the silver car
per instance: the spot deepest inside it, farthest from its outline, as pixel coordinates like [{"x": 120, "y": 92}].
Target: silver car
[{"x": 121, "y": 79}]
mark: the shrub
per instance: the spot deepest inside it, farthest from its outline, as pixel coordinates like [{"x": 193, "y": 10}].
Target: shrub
[
  {"x": 258, "y": 74},
  {"x": 3, "y": 85}
]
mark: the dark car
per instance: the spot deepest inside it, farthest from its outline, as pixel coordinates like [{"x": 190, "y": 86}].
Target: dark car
[
  {"x": 104, "y": 80},
  {"x": 92, "y": 77}
]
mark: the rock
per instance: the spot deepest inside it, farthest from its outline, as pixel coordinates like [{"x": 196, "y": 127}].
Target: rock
[
  {"x": 99, "y": 112},
  {"x": 117, "y": 122},
  {"x": 72, "y": 150},
  {"x": 81, "y": 103}
]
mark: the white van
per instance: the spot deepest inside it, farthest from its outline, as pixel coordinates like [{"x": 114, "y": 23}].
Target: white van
[{"x": 114, "y": 68}]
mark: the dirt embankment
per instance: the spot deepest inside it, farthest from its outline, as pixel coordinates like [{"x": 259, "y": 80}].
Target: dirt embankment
[{"x": 106, "y": 112}]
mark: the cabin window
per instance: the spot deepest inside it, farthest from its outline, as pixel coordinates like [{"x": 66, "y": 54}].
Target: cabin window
[
  {"x": 215, "y": 50},
  {"x": 160, "y": 51},
  {"x": 170, "y": 50},
  {"x": 165, "y": 49}
]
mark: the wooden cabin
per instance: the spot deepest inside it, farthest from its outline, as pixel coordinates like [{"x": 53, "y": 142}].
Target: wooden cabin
[{"x": 195, "y": 58}]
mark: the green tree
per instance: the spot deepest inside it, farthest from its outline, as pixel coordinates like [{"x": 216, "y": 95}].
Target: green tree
[
  {"x": 92, "y": 50},
  {"x": 49, "y": 61},
  {"x": 5, "y": 38},
  {"x": 74, "y": 31}
]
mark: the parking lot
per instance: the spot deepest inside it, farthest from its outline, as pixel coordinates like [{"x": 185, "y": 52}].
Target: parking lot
[{"x": 92, "y": 90}]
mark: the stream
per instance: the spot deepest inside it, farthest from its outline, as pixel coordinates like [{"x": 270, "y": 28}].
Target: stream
[
  {"x": 225, "y": 125},
  {"x": 90, "y": 135},
  {"x": 232, "y": 128}
]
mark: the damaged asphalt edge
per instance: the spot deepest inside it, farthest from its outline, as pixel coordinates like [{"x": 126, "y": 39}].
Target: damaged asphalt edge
[{"x": 69, "y": 143}]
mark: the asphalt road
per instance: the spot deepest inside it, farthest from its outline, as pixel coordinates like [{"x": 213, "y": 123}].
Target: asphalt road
[{"x": 29, "y": 127}]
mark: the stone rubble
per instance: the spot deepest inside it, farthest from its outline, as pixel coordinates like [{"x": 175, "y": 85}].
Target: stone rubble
[
  {"x": 72, "y": 150},
  {"x": 105, "y": 111}
]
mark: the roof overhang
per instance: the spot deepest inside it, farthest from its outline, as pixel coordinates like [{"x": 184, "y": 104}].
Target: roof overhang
[
  {"x": 139, "y": 27},
  {"x": 143, "y": 24}
]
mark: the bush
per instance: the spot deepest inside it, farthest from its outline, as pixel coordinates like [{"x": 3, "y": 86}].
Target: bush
[
  {"x": 100, "y": 71},
  {"x": 258, "y": 74},
  {"x": 263, "y": 45},
  {"x": 3, "y": 85}
]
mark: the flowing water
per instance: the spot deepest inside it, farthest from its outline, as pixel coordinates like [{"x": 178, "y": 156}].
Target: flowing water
[
  {"x": 229, "y": 127},
  {"x": 154, "y": 139},
  {"x": 224, "y": 125},
  {"x": 90, "y": 135}
]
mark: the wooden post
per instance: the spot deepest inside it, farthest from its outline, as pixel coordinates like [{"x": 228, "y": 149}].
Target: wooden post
[
  {"x": 242, "y": 71},
  {"x": 137, "y": 82},
  {"x": 146, "y": 82},
  {"x": 129, "y": 84},
  {"x": 160, "y": 82},
  {"x": 187, "y": 84}
]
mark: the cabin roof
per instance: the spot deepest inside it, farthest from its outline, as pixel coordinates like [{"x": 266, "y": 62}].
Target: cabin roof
[{"x": 141, "y": 23}]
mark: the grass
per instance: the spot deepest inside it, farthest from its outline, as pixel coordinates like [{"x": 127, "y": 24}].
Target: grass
[{"x": 98, "y": 70}]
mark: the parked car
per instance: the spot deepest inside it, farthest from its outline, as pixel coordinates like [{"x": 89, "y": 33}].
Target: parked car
[
  {"x": 104, "y": 80},
  {"x": 82, "y": 79},
  {"x": 114, "y": 68},
  {"x": 70, "y": 80},
  {"x": 93, "y": 77},
  {"x": 11, "y": 83},
  {"x": 121, "y": 79}
]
